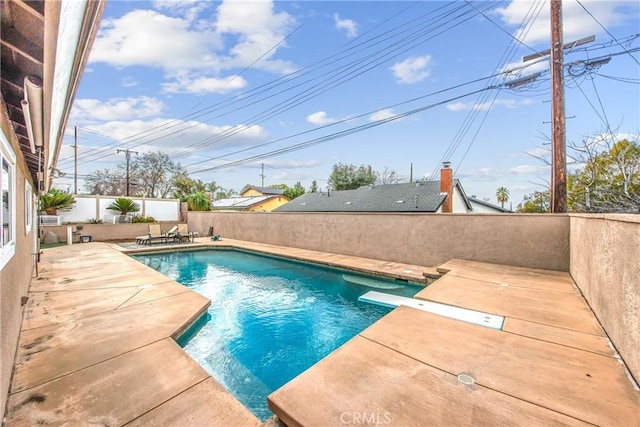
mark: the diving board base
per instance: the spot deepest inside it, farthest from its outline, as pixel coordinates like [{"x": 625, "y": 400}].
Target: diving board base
[{"x": 466, "y": 315}]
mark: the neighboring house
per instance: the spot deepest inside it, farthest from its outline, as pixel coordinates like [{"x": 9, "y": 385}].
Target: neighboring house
[
  {"x": 45, "y": 46},
  {"x": 481, "y": 206},
  {"x": 253, "y": 199},
  {"x": 427, "y": 196},
  {"x": 262, "y": 191},
  {"x": 265, "y": 203}
]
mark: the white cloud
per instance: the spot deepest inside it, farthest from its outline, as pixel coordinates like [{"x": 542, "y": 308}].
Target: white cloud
[
  {"x": 480, "y": 174},
  {"x": 191, "y": 134},
  {"x": 201, "y": 85},
  {"x": 239, "y": 34},
  {"x": 577, "y": 23},
  {"x": 348, "y": 25},
  {"x": 258, "y": 29},
  {"x": 382, "y": 115},
  {"x": 116, "y": 108},
  {"x": 320, "y": 118},
  {"x": 507, "y": 103},
  {"x": 528, "y": 169},
  {"x": 147, "y": 37},
  {"x": 412, "y": 70}
]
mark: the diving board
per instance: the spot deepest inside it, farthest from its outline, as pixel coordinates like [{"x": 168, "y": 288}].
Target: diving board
[{"x": 466, "y": 315}]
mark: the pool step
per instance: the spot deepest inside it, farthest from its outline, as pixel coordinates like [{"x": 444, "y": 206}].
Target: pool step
[{"x": 466, "y": 315}]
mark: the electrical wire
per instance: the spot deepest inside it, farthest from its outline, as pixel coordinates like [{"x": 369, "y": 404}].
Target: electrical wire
[{"x": 607, "y": 31}]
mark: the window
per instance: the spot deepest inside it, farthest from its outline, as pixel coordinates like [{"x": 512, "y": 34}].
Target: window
[
  {"x": 8, "y": 212},
  {"x": 28, "y": 207}
]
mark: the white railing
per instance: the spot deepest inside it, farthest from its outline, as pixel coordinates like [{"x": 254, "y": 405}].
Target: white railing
[
  {"x": 51, "y": 219},
  {"x": 116, "y": 219}
]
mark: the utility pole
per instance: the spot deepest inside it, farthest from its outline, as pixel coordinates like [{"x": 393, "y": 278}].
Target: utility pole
[
  {"x": 411, "y": 175},
  {"x": 262, "y": 175},
  {"x": 558, "y": 126},
  {"x": 75, "y": 159},
  {"x": 127, "y": 154}
]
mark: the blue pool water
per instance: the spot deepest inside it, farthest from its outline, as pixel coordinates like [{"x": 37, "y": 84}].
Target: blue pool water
[{"x": 270, "y": 318}]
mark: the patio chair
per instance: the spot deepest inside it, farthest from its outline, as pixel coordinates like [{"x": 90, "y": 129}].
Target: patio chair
[
  {"x": 156, "y": 234},
  {"x": 184, "y": 233}
]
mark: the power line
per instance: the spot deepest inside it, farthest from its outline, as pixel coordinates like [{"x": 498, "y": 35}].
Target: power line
[
  {"x": 411, "y": 37},
  {"x": 607, "y": 31}
]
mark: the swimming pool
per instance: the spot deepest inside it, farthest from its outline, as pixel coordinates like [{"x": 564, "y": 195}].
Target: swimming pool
[{"x": 270, "y": 318}]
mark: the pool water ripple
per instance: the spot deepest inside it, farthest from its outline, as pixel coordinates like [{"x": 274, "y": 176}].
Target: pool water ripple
[{"x": 271, "y": 318}]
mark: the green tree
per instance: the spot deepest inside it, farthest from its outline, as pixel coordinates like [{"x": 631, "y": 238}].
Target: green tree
[
  {"x": 314, "y": 187},
  {"x": 296, "y": 191},
  {"x": 502, "y": 194},
  {"x": 183, "y": 187},
  {"x": 609, "y": 180},
  {"x": 199, "y": 202},
  {"x": 56, "y": 200},
  {"x": 124, "y": 206},
  {"x": 226, "y": 194},
  {"x": 350, "y": 177},
  {"x": 536, "y": 202},
  {"x": 212, "y": 187}
]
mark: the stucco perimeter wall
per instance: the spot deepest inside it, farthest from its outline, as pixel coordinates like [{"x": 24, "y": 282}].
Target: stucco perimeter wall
[
  {"x": 530, "y": 240},
  {"x": 105, "y": 232},
  {"x": 605, "y": 264}
]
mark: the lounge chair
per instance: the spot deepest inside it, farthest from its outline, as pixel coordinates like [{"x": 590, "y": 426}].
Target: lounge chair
[
  {"x": 156, "y": 234},
  {"x": 171, "y": 234},
  {"x": 184, "y": 233}
]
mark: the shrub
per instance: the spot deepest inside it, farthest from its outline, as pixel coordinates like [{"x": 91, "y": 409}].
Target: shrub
[
  {"x": 95, "y": 221},
  {"x": 139, "y": 218},
  {"x": 198, "y": 202}
]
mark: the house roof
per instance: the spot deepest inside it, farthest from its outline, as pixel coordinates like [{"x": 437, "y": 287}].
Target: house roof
[
  {"x": 45, "y": 46},
  {"x": 489, "y": 205},
  {"x": 267, "y": 190},
  {"x": 414, "y": 197},
  {"x": 242, "y": 202}
]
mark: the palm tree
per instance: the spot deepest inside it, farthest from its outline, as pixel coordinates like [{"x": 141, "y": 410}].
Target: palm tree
[
  {"x": 56, "y": 200},
  {"x": 124, "y": 205},
  {"x": 502, "y": 194}
]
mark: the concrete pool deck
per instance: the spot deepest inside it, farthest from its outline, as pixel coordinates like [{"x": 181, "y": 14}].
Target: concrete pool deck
[
  {"x": 550, "y": 364},
  {"x": 97, "y": 347}
]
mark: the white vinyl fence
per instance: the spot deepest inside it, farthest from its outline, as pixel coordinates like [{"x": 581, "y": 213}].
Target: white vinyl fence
[{"x": 89, "y": 207}]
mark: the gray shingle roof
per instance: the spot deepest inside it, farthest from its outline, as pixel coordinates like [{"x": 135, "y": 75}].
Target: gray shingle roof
[
  {"x": 269, "y": 191},
  {"x": 415, "y": 197}
]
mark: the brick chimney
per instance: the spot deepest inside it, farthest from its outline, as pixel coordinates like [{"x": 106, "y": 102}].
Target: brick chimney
[{"x": 446, "y": 186}]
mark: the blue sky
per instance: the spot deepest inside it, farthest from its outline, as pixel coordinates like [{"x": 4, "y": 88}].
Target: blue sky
[{"x": 224, "y": 87}]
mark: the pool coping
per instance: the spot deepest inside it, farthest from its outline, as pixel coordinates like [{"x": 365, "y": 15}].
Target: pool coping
[{"x": 420, "y": 275}]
